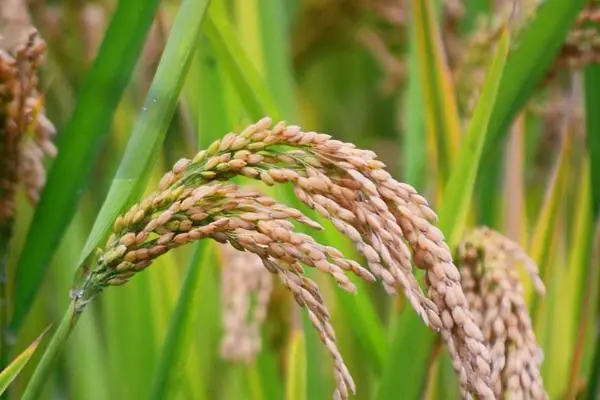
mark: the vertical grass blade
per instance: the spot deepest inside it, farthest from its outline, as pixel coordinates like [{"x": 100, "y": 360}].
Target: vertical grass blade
[
  {"x": 213, "y": 120},
  {"x": 87, "y": 346},
  {"x": 592, "y": 107},
  {"x": 175, "y": 342},
  {"x": 540, "y": 247},
  {"x": 593, "y": 388},
  {"x": 528, "y": 63},
  {"x": 39, "y": 378},
  {"x": 441, "y": 113},
  {"x": 514, "y": 191},
  {"x": 452, "y": 216},
  {"x": 459, "y": 190},
  {"x": 259, "y": 101},
  {"x": 252, "y": 88},
  {"x": 406, "y": 368},
  {"x": 151, "y": 127},
  {"x": 10, "y": 372},
  {"x": 547, "y": 313},
  {"x": 580, "y": 279},
  {"x": 143, "y": 144},
  {"x": 275, "y": 38},
  {"x": 79, "y": 144},
  {"x": 414, "y": 136},
  {"x": 296, "y": 367}
]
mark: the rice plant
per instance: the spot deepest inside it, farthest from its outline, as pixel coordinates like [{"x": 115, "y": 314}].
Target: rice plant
[{"x": 238, "y": 199}]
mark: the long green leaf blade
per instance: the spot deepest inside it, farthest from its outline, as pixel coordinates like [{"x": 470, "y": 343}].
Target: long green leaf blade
[
  {"x": 10, "y": 372},
  {"x": 296, "y": 367},
  {"x": 592, "y": 105},
  {"x": 79, "y": 145},
  {"x": 452, "y": 215},
  {"x": 252, "y": 88},
  {"x": 441, "y": 113},
  {"x": 151, "y": 127},
  {"x": 527, "y": 64},
  {"x": 175, "y": 342},
  {"x": 459, "y": 190},
  {"x": 407, "y": 362}
]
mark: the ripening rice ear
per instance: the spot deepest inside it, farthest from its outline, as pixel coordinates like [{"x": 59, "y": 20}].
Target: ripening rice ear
[
  {"x": 388, "y": 222},
  {"x": 25, "y": 132},
  {"x": 488, "y": 266}
]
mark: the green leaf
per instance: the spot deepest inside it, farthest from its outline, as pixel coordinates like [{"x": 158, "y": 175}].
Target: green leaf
[
  {"x": 45, "y": 366},
  {"x": 78, "y": 146},
  {"x": 177, "y": 338},
  {"x": 251, "y": 87},
  {"x": 258, "y": 101},
  {"x": 440, "y": 110},
  {"x": 408, "y": 359},
  {"x": 157, "y": 112},
  {"x": 278, "y": 71},
  {"x": 213, "y": 120},
  {"x": 459, "y": 190},
  {"x": 592, "y": 106},
  {"x": 541, "y": 243},
  {"x": 296, "y": 368},
  {"x": 414, "y": 134},
  {"x": 547, "y": 313},
  {"x": 13, "y": 369},
  {"x": 528, "y": 63},
  {"x": 579, "y": 283},
  {"x": 453, "y": 212}
]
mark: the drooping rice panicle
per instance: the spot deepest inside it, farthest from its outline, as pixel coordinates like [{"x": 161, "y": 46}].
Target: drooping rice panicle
[
  {"x": 25, "y": 132},
  {"x": 388, "y": 222},
  {"x": 246, "y": 288},
  {"x": 491, "y": 282}
]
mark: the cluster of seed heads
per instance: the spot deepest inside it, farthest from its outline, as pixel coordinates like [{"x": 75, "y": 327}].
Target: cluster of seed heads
[
  {"x": 388, "y": 222},
  {"x": 25, "y": 132},
  {"x": 582, "y": 46},
  {"x": 472, "y": 59},
  {"x": 580, "y": 49},
  {"x": 246, "y": 287},
  {"x": 487, "y": 262}
]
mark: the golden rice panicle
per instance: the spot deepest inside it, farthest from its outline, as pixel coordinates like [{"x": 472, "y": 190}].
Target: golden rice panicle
[
  {"x": 249, "y": 222},
  {"x": 470, "y": 356},
  {"x": 308, "y": 296},
  {"x": 25, "y": 132},
  {"x": 334, "y": 178},
  {"x": 246, "y": 287},
  {"x": 9, "y": 136},
  {"x": 581, "y": 47},
  {"x": 488, "y": 268},
  {"x": 387, "y": 221}
]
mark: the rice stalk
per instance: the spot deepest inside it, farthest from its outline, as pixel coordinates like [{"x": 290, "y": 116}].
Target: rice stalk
[
  {"x": 389, "y": 223},
  {"x": 487, "y": 262}
]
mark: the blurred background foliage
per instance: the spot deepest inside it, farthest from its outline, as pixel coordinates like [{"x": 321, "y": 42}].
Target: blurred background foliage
[{"x": 400, "y": 77}]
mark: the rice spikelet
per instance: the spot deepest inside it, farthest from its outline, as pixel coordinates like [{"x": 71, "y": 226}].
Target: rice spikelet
[
  {"x": 244, "y": 281},
  {"x": 491, "y": 282},
  {"x": 25, "y": 132},
  {"x": 582, "y": 45}
]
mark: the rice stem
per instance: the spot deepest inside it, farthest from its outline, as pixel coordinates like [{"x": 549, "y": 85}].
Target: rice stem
[{"x": 56, "y": 345}]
